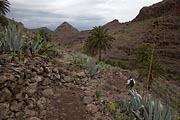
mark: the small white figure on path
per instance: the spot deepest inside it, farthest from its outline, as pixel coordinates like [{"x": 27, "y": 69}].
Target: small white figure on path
[{"x": 131, "y": 82}]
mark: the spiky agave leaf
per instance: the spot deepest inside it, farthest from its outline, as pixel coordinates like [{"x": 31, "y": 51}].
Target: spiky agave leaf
[
  {"x": 91, "y": 66},
  {"x": 13, "y": 40},
  {"x": 152, "y": 109}
]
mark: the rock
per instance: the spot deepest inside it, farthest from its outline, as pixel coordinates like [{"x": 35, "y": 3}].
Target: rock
[
  {"x": 87, "y": 100},
  {"x": 48, "y": 92},
  {"x": 63, "y": 81},
  {"x": 30, "y": 103},
  {"x": 65, "y": 72},
  {"x": 29, "y": 113},
  {"x": 39, "y": 70},
  {"x": 69, "y": 85},
  {"x": 12, "y": 86},
  {"x": 5, "y": 94},
  {"x": 98, "y": 116},
  {"x": 3, "y": 79},
  {"x": 81, "y": 75},
  {"x": 15, "y": 106},
  {"x": 47, "y": 70},
  {"x": 31, "y": 89},
  {"x": 17, "y": 76},
  {"x": 55, "y": 70},
  {"x": 19, "y": 115},
  {"x": 33, "y": 74},
  {"x": 4, "y": 108},
  {"x": 88, "y": 92},
  {"x": 21, "y": 81},
  {"x": 57, "y": 76},
  {"x": 83, "y": 88},
  {"x": 92, "y": 108},
  {"x": 33, "y": 118},
  {"x": 38, "y": 78},
  {"x": 19, "y": 96},
  {"x": 42, "y": 103},
  {"x": 46, "y": 82},
  {"x": 68, "y": 79},
  {"x": 43, "y": 113}
]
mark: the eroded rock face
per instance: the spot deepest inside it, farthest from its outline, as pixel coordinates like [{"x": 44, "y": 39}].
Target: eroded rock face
[{"x": 166, "y": 7}]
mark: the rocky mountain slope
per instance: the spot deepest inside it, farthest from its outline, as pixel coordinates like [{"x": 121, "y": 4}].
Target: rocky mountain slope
[
  {"x": 36, "y": 30},
  {"x": 42, "y": 88},
  {"x": 164, "y": 8},
  {"x": 63, "y": 34},
  {"x": 50, "y": 89},
  {"x": 131, "y": 35}
]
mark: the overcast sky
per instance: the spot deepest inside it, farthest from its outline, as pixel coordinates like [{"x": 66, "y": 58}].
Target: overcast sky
[{"x": 82, "y": 14}]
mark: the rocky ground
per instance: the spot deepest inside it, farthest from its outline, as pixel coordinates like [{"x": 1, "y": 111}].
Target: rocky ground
[{"x": 43, "y": 89}]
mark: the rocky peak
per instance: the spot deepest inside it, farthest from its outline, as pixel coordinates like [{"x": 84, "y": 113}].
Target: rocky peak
[
  {"x": 66, "y": 26},
  {"x": 63, "y": 33},
  {"x": 112, "y": 24},
  {"x": 165, "y": 7}
]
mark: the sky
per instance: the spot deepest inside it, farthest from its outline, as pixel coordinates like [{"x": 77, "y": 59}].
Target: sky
[{"x": 82, "y": 14}]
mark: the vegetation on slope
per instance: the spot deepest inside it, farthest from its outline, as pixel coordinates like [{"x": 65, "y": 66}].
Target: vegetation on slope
[
  {"x": 98, "y": 41},
  {"x": 20, "y": 47}
]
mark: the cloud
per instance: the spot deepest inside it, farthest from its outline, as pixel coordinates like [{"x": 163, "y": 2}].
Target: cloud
[{"x": 82, "y": 14}]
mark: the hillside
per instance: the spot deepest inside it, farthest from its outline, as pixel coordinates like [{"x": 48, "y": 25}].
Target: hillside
[
  {"x": 52, "y": 79},
  {"x": 36, "y": 30},
  {"x": 45, "y": 89},
  {"x": 130, "y": 36},
  {"x": 63, "y": 34},
  {"x": 164, "y": 8}
]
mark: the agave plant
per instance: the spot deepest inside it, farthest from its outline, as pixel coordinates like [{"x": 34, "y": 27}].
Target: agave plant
[
  {"x": 155, "y": 111},
  {"x": 37, "y": 44},
  {"x": 12, "y": 39},
  {"x": 92, "y": 67},
  {"x": 1, "y": 43},
  {"x": 143, "y": 107}
]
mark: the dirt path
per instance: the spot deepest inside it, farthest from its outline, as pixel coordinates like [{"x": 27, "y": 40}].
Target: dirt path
[
  {"x": 81, "y": 104},
  {"x": 52, "y": 90},
  {"x": 66, "y": 105}
]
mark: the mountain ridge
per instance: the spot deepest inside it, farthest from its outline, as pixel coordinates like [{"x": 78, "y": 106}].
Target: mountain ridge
[{"x": 131, "y": 35}]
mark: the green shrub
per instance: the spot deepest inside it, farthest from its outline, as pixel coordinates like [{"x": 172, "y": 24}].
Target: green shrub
[
  {"x": 118, "y": 111},
  {"x": 98, "y": 95}
]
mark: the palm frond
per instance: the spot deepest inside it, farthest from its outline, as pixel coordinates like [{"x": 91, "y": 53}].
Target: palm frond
[{"x": 4, "y": 7}]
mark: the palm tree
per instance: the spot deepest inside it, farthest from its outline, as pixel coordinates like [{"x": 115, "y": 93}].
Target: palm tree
[
  {"x": 4, "y": 7},
  {"x": 98, "y": 41}
]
